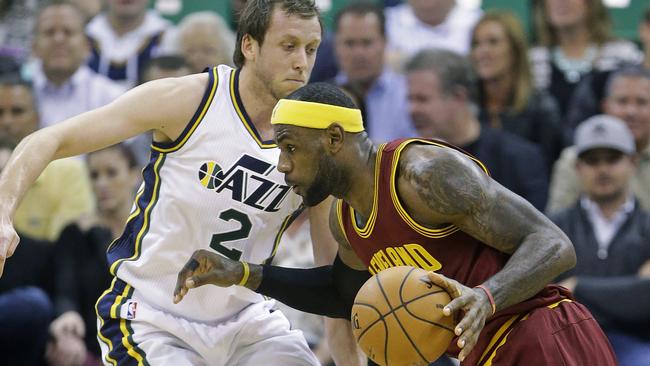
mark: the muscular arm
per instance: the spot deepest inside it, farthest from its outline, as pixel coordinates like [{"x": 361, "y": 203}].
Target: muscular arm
[
  {"x": 164, "y": 106},
  {"x": 443, "y": 186}
]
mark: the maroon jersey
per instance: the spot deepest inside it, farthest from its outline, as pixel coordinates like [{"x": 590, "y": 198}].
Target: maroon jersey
[{"x": 391, "y": 238}]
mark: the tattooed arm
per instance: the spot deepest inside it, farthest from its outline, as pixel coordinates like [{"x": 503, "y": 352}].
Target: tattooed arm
[{"x": 440, "y": 186}]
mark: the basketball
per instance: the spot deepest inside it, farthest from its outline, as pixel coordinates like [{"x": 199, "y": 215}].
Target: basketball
[{"x": 397, "y": 318}]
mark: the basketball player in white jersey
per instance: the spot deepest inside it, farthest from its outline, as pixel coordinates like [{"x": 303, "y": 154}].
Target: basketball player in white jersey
[{"x": 211, "y": 184}]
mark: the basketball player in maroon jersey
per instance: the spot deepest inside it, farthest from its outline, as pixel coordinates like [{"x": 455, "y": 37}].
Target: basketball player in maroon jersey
[{"x": 427, "y": 204}]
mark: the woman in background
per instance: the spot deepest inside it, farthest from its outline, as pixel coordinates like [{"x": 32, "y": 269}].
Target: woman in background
[
  {"x": 574, "y": 41},
  {"x": 81, "y": 268},
  {"x": 506, "y": 97}
]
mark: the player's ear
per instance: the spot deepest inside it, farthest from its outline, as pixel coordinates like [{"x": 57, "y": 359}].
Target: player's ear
[
  {"x": 249, "y": 47},
  {"x": 335, "y": 137}
]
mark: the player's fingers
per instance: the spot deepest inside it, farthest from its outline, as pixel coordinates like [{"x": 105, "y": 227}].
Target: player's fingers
[
  {"x": 442, "y": 281},
  {"x": 464, "y": 324},
  {"x": 453, "y": 288},
  {"x": 201, "y": 279},
  {"x": 469, "y": 341},
  {"x": 8, "y": 244},
  {"x": 471, "y": 334},
  {"x": 12, "y": 245},
  {"x": 187, "y": 271},
  {"x": 456, "y": 304}
]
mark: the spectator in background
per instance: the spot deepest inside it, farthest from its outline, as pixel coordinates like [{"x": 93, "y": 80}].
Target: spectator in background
[
  {"x": 575, "y": 40},
  {"x": 506, "y": 97},
  {"x": 388, "y": 3},
  {"x": 125, "y": 36},
  {"x": 610, "y": 234},
  {"x": 62, "y": 192},
  {"x": 360, "y": 44},
  {"x": 644, "y": 36},
  {"x": 205, "y": 40},
  {"x": 8, "y": 65},
  {"x": 17, "y": 19},
  {"x": 81, "y": 270},
  {"x": 440, "y": 90},
  {"x": 587, "y": 99},
  {"x": 421, "y": 24},
  {"x": 627, "y": 98},
  {"x": 89, "y": 8},
  {"x": 25, "y": 308},
  {"x": 64, "y": 85},
  {"x": 168, "y": 66}
]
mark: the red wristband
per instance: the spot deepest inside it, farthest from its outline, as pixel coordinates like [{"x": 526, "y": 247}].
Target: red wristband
[{"x": 489, "y": 295}]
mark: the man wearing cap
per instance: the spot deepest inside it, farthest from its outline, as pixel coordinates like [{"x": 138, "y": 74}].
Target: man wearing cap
[
  {"x": 628, "y": 98},
  {"x": 422, "y": 203},
  {"x": 610, "y": 234}
]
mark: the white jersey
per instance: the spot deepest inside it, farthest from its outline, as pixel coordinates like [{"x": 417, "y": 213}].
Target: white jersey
[{"x": 217, "y": 188}]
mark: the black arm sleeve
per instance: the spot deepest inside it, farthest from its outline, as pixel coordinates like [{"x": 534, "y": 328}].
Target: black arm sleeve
[{"x": 327, "y": 290}]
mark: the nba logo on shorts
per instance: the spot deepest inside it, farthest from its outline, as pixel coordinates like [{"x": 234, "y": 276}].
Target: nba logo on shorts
[{"x": 131, "y": 307}]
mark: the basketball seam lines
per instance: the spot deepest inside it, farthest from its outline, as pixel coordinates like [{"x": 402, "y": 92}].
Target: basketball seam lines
[
  {"x": 405, "y": 306},
  {"x": 381, "y": 317},
  {"x": 392, "y": 311},
  {"x": 385, "y": 325}
]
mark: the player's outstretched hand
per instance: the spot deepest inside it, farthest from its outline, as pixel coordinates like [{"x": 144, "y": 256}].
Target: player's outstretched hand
[
  {"x": 477, "y": 309},
  {"x": 204, "y": 268},
  {"x": 8, "y": 241}
]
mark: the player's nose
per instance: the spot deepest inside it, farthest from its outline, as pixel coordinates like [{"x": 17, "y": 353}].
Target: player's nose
[{"x": 284, "y": 166}]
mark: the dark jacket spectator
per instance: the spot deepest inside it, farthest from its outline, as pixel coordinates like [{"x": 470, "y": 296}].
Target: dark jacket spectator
[
  {"x": 514, "y": 162},
  {"x": 506, "y": 97}
]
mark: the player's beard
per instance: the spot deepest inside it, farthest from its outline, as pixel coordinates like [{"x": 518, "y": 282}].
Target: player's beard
[{"x": 325, "y": 181}]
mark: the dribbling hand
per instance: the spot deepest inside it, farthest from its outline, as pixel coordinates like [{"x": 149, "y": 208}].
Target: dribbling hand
[
  {"x": 477, "y": 309},
  {"x": 8, "y": 241},
  {"x": 205, "y": 267}
]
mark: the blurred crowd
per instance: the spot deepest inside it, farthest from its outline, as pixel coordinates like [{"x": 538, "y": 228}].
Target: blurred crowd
[{"x": 562, "y": 120}]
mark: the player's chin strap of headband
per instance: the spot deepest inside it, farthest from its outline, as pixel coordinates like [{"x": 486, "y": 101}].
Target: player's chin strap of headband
[{"x": 316, "y": 115}]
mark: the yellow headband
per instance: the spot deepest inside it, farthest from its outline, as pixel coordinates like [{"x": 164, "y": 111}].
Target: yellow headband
[{"x": 316, "y": 115}]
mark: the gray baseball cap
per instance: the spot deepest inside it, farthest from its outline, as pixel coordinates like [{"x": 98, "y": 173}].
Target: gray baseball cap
[{"x": 604, "y": 131}]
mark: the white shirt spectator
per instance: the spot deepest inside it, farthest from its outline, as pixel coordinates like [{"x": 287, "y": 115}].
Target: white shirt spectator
[
  {"x": 407, "y": 34},
  {"x": 84, "y": 91},
  {"x": 120, "y": 57},
  {"x": 605, "y": 228}
]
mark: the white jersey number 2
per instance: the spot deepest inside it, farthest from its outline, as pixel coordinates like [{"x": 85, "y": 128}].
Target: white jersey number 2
[{"x": 241, "y": 233}]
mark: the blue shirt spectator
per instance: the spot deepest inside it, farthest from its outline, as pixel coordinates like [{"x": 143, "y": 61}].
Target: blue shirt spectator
[
  {"x": 386, "y": 107},
  {"x": 360, "y": 45}
]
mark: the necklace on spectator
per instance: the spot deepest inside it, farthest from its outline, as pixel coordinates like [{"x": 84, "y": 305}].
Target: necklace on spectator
[{"x": 572, "y": 68}]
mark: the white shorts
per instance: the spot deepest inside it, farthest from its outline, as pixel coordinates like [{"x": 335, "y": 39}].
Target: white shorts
[{"x": 130, "y": 332}]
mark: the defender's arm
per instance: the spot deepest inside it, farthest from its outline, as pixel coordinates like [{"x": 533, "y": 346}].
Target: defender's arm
[{"x": 164, "y": 106}]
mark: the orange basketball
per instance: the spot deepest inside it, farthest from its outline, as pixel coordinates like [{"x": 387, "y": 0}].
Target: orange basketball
[{"x": 397, "y": 318}]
